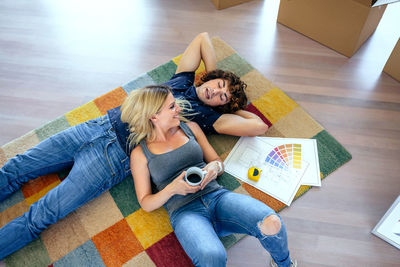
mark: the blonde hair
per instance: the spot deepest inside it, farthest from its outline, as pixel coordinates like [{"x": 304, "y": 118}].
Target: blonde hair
[{"x": 143, "y": 103}]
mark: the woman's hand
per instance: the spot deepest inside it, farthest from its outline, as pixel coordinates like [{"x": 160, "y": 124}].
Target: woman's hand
[
  {"x": 212, "y": 169},
  {"x": 179, "y": 186}
]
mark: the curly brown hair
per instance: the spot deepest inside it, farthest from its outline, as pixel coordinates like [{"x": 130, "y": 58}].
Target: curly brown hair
[{"x": 236, "y": 87}]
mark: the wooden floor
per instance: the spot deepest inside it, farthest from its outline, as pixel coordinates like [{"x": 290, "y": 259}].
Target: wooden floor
[{"x": 57, "y": 55}]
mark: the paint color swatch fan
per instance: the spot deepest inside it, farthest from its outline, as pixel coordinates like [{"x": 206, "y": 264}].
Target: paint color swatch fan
[
  {"x": 285, "y": 156},
  {"x": 288, "y": 157}
]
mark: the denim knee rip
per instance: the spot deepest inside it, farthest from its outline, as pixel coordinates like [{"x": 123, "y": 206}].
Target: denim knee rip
[{"x": 277, "y": 234}]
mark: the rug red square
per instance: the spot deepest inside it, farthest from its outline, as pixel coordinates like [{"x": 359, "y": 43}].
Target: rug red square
[{"x": 168, "y": 252}]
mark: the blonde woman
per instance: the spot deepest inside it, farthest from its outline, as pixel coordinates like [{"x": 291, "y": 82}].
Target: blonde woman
[{"x": 164, "y": 148}]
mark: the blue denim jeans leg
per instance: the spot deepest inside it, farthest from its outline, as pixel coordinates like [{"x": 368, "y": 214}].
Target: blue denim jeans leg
[
  {"x": 97, "y": 161},
  {"x": 198, "y": 224}
]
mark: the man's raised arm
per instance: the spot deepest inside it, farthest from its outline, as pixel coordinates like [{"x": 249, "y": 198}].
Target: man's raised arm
[{"x": 199, "y": 49}]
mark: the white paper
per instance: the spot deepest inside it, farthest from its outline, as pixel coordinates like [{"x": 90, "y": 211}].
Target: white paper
[
  {"x": 388, "y": 227},
  {"x": 281, "y": 174}
]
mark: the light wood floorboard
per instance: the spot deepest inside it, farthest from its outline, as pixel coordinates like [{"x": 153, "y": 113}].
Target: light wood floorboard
[{"x": 57, "y": 55}]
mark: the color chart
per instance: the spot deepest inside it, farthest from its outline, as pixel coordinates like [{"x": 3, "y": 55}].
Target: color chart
[
  {"x": 284, "y": 164},
  {"x": 285, "y": 156}
]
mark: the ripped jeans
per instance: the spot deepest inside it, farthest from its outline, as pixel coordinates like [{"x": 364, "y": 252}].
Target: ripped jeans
[{"x": 198, "y": 224}]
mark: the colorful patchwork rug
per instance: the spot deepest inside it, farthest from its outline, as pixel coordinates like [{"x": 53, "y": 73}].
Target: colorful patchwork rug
[{"x": 113, "y": 230}]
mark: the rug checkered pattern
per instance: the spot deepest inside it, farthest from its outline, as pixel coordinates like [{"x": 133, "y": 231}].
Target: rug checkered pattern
[{"x": 113, "y": 230}]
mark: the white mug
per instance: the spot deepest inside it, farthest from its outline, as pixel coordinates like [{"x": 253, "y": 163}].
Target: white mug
[{"x": 194, "y": 176}]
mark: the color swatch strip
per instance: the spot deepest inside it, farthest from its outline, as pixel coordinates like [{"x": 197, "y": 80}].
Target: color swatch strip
[{"x": 285, "y": 156}]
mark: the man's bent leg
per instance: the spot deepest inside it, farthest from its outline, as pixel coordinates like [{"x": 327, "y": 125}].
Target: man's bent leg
[
  {"x": 89, "y": 177},
  {"x": 51, "y": 155}
]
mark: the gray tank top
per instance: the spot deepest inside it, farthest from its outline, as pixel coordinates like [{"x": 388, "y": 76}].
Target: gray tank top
[{"x": 164, "y": 168}]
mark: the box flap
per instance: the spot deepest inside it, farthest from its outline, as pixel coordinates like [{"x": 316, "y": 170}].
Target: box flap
[
  {"x": 383, "y": 2},
  {"x": 374, "y": 3}
]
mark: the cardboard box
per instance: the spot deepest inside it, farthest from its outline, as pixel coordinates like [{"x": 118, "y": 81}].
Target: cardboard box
[
  {"x": 343, "y": 25},
  {"x": 392, "y": 66},
  {"x": 221, "y": 4}
]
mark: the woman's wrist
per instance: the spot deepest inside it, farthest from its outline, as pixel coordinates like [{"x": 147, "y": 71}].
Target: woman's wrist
[{"x": 169, "y": 190}]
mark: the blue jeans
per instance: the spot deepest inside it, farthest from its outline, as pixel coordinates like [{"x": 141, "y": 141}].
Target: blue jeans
[
  {"x": 198, "y": 224},
  {"x": 97, "y": 160}
]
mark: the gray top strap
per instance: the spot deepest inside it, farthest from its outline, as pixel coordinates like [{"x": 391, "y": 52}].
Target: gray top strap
[{"x": 186, "y": 129}]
